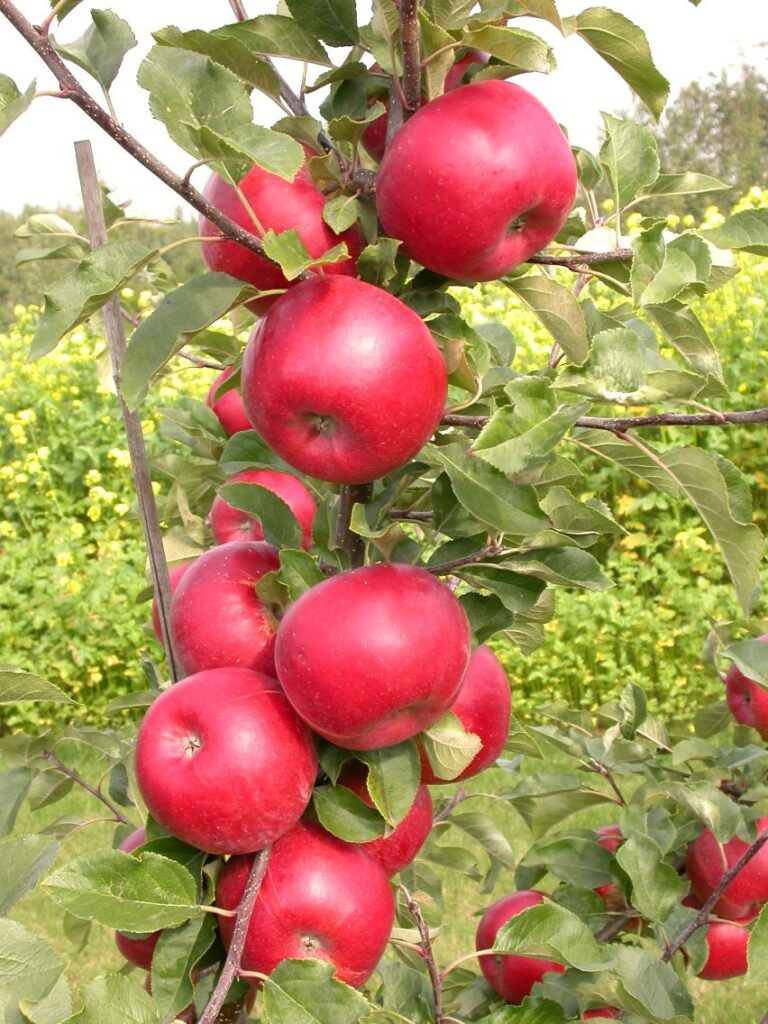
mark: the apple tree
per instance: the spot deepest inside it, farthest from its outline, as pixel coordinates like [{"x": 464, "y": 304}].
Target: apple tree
[{"x": 373, "y": 496}]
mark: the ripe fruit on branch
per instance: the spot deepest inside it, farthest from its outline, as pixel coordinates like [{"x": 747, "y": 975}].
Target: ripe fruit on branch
[
  {"x": 228, "y": 408},
  {"x": 343, "y": 380},
  {"x": 374, "y": 138},
  {"x": 745, "y": 895},
  {"x": 726, "y": 951},
  {"x": 747, "y": 700},
  {"x": 510, "y": 975},
  {"x": 174, "y": 576},
  {"x": 229, "y": 523},
  {"x": 321, "y": 899},
  {"x": 217, "y": 619},
  {"x": 476, "y": 181},
  {"x": 610, "y": 837},
  {"x": 277, "y": 205},
  {"x": 136, "y": 950},
  {"x": 374, "y": 655},
  {"x": 399, "y": 848},
  {"x": 223, "y": 762},
  {"x": 483, "y": 707}
]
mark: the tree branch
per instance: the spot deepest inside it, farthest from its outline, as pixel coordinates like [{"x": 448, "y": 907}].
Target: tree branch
[
  {"x": 429, "y": 957},
  {"x": 94, "y": 215},
  {"x": 74, "y": 91},
  {"x": 444, "y": 568},
  {"x": 412, "y": 514},
  {"x": 409, "y": 41},
  {"x": 59, "y": 766},
  {"x": 622, "y": 423},
  {"x": 343, "y": 537},
  {"x": 234, "y": 956},
  {"x": 458, "y": 797},
  {"x": 702, "y": 916},
  {"x": 579, "y": 260}
]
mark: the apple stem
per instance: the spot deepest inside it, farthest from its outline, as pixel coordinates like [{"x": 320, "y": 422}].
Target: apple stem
[
  {"x": 429, "y": 957},
  {"x": 59, "y": 766},
  {"x": 150, "y": 524},
  {"x": 702, "y": 916},
  {"x": 621, "y": 423},
  {"x": 234, "y": 955},
  {"x": 343, "y": 536}
]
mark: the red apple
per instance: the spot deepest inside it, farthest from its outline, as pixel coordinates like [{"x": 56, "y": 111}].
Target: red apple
[
  {"x": 399, "y": 848},
  {"x": 217, "y": 619},
  {"x": 705, "y": 866},
  {"x": 747, "y": 700},
  {"x": 476, "y": 181},
  {"x": 510, "y": 975},
  {"x": 229, "y": 523},
  {"x": 228, "y": 408},
  {"x": 174, "y": 575},
  {"x": 483, "y": 707},
  {"x": 610, "y": 837},
  {"x": 223, "y": 762},
  {"x": 374, "y": 655},
  {"x": 320, "y": 899},
  {"x": 374, "y": 138},
  {"x": 136, "y": 950},
  {"x": 726, "y": 951},
  {"x": 278, "y": 205},
  {"x": 343, "y": 380}
]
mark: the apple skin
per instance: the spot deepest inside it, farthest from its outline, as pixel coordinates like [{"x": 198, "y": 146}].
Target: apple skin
[
  {"x": 229, "y": 408},
  {"x": 343, "y": 381},
  {"x": 212, "y": 758},
  {"x": 476, "y": 181},
  {"x": 748, "y": 891},
  {"x": 726, "y": 951},
  {"x": 372, "y": 656},
  {"x": 217, "y": 620},
  {"x": 229, "y": 523},
  {"x": 278, "y": 205},
  {"x": 321, "y": 899},
  {"x": 174, "y": 575},
  {"x": 747, "y": 700},
  {"x": 374, "y": 138},
  {"x": 483, "y": 707},
  {"x": 136, "y": 951},
  {"x": 510, "y": 975},
  {"x": 396, "y": 850}
]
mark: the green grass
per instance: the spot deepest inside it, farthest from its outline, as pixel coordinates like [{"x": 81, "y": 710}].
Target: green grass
[{"x": 717, "y": 1003}]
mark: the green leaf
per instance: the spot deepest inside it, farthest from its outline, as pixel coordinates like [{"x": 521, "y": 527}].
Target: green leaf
[
  {"x": 340, "y": 212},
  {"x": 485, "y": 831},
  {"x": 516, "y": 48},
  {"x": 393, "y": 778},
  {"x": 578, "y": 517},
  {"x": 333, "y": 21},
  {"x": 449, "y": 747},
  {"x": 689, "y": 183},
  {"x": 287, "y": 249},
  {"x": 101, "y": 48},
  {"x": 132, "y": 893},
  {"x": 712, "y": 719},
  {"x": 342, "y": 813},
  {"x": 115, "y": 999},
  {"x": 550, "y": 931},
  {"x": 689, "y": 336},
  {"x": 13, "y": 103},
  {"x": 751, "y": 658},
  {"x": 558, "y": 309},
  {"x": 305, "y": 992},
  {"x": 627, "y": 456},
  {"x": 573, "y": 859},
  {"x": 277, "y": 520},
  {"x": 565, "y": 566},
  {"x": 29, "y": 971},
  {"x": 487, "y": 494},
  {"x": 630, "y": 156},
  {"x": 656, "y": 887},
  {"x": 17, "y": 686},
  {"x": 624, "y": 46},
  {"x": 757, "y": 951},
  {"x": 266, "y": 36},
  {"x": 181, "y": 314},
  {"x": 516, "y": 591},
  {"x": 82, "y": 291},
  {"x": 713, "y": 808},
  {"x": 404, "y": 988},
  {"x": 22, "y": 860},
  {"x": 298, "y": 572},
  {"x": 652, "y": 987},
  {"x": 14, "y": 785},
  {"x": 746, "y": 231},
  {"x": 64, "y": 9},
  {"x": 683, "y": 273},
  {"x": 176, "y": 953},
  {"x": 511, "y": 450}
]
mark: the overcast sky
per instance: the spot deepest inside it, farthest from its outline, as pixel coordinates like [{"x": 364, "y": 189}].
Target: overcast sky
[{"x": 37, "y": 162}]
